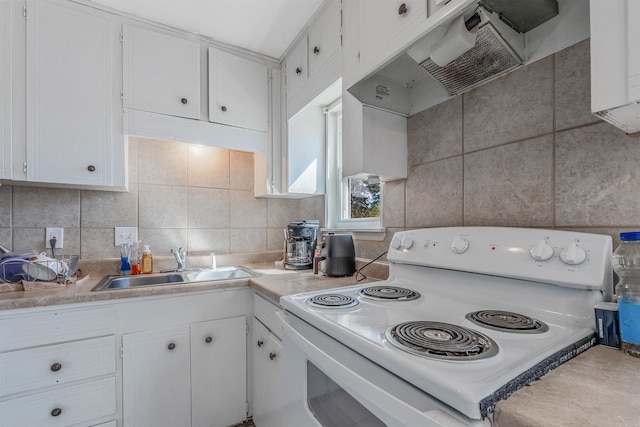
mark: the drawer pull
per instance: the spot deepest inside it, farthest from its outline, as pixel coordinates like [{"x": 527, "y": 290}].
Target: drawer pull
[
  {"x": 403, "y": 9},
  {"x": 224, "y": 109},
  {"x": 171, "y": 346},
  {"x": 185, "y": 101},
  {"x": 91, "y": 168},
  {"x": 260, "y": 343},
  {"x": 56, "y": 367},
  {"x": 316, "y": 50},
  {"x": 56, "y": 412},
  {"x": 208, "y": 340},
  {"x": 272, "y": 356},
  {"x": 298, "y": 70}
]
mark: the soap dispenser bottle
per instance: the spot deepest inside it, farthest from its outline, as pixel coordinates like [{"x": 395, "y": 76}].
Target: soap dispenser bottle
[{"x": 147, "y": 260}]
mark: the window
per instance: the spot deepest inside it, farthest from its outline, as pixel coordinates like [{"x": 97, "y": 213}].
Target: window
[{"x": 352, "y": 202}]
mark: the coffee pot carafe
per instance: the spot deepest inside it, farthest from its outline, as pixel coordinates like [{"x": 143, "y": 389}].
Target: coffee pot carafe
[{"x": 300, "y": 244}]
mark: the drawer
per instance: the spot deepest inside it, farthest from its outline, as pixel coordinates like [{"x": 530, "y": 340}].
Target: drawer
[
  {"x": 70, "y": 405},
  {"x": 265, "y": 311},
  {"x": 30, "y": 369},
  {"x": 49, "y": 327}
]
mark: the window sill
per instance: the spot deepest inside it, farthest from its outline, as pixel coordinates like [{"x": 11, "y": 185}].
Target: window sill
[{"x": 372, "y": 234}]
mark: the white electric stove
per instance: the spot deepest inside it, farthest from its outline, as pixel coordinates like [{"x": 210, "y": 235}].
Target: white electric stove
[{"x": 467, "y": 316}]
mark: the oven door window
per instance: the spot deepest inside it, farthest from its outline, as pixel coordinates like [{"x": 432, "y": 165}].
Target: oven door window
[{"x": 332, "y": 405}]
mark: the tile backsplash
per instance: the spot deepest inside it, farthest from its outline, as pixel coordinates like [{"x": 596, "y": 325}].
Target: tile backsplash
[
  {"x": 197, "y": 197},
  {"x": 524, "y": 151}
]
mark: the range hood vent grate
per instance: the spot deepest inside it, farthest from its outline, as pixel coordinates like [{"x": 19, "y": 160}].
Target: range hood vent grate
[{"x": 490, "y": 58}]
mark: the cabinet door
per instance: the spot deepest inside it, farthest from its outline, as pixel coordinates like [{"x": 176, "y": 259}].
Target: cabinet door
[
  {"x": 156, "y": 378},
  {"x": 5, "y": 90},
  {"x": 267, "y": 387},
  {"x": 296, "y": 71},
  {"x": 219, "y": 372},
  {"x": 69, "y": 98},
  {"x": 324, "y": 36},
  {"x": 381, "y": 21},
  {"x": 238, "y": 93},
  {"x": 161, "y": 73}
]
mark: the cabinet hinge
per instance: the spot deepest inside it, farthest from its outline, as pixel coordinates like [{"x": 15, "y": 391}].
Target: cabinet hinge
[
  {"x": 122, "y": 95},
  {"x": 24, "y": 11},
  {"x": 24, "y": 167},
  {"x": 121, "y": 37},
  {"x": 246, "y": 407},
  {"x": 121, "y": 352}
]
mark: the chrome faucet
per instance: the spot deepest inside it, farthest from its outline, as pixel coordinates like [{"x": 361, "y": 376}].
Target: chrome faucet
[{"x": 181, "y": 257}]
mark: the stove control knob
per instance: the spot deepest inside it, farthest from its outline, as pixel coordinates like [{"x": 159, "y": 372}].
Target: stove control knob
[
  {"x": 407, "y": 242},
  {"x": 459, "y": 245},
  {"x": 396, "y": 242},
  {"x": 573, "y": 255},
  {"x": 542, "y": 251}
]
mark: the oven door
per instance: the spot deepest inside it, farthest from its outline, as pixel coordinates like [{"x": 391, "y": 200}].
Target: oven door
[{"x": 327, "y": 384}]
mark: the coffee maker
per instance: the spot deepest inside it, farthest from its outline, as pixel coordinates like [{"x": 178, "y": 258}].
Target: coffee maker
[{"x": 300, "y": 244}]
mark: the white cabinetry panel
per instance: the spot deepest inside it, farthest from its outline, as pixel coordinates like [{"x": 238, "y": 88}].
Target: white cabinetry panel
[
  {"x": 296, "y": 69},
  {"x": 70, "y": 137},
  {"x": 238, "y": 93},
  {"x": 161, "y": 73},
  {"x": 267, "y": 377},
  {"x": 5, "y": 90},
  {"x": 324, "y": 36}
]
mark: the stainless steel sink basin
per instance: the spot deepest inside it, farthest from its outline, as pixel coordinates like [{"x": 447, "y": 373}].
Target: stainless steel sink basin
[{"x": 174, "y": 278}]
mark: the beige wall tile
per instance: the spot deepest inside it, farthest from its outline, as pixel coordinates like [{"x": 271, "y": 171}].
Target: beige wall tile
[
  {"x": 98, "y": 243},
  {"x": 208, "y": 208},
  {"x": 275, "y": 239},
  {"x": 435, "y": 133},
  {"x": 6, "y": 237},
  {"x": 242, "y": 167},
  {"x": 516, "y": 106},
  {"x": 434, "y": 194},
  {"x": 248, "y": 239},
  {"x": 573, "y": 86},
  {"x": 162, "y": 206},
  {"x": 281, "y": 211},
  {"x": 206, "y": 240},
  {"x": 247, "y": 211},
  {"x": 104, "y": 209},
  {"x": 27, "y": 239},
  {"x": 162, "y": 240},
  {"x": 393, "y": 203},
  {"x": 511, "y": 185},
  {"x": 162, "y": 162},
  {"x": 6, "y": 195},
  {"x": 208, "y": 167},
  {"x": 312, "y": 208},
  {"x": 46, "y": 207},
  {"x": 597, "y": 177},
  {"x": 132, "y": 161}
]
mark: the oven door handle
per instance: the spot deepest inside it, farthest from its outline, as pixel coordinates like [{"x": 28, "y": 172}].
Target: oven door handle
[{"x": 368, "y": 393}]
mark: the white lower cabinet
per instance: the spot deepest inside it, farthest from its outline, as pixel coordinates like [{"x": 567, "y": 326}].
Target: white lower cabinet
[
  {"x": 190, "y": 375},
  {"x": 57, "y": 367},
  {"x": 266, "y": 352}
]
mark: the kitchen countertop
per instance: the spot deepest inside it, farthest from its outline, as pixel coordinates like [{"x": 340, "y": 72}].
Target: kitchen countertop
[
  {"x": 273, "y": 283},
  {"x": 600, "y": 387}
]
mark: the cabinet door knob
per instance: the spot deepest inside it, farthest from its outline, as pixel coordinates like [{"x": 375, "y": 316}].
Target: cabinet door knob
[
  {"x": 56, "y": 412},
  {"x": 316, "y": 50},
  {"x": 91, "y": 168},
  {"x": 403, "y": 9},
  {"x": 208, "y": 340},
  {"x": 184, "y": 101},
  {"x": 223, "y": 108},
  {"x": 272, "y": 355},
  {"x": 260, "y": 343},
  {"x": 171, "y": 346},
  {"x": 56, "y": 367},
  {"x": 298, "y": 70}
]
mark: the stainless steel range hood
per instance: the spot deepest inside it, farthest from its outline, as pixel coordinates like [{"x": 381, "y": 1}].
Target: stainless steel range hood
[{"x": 485, "y": 41}]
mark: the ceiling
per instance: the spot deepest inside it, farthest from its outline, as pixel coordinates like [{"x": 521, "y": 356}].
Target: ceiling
[{"x": 263, "y": 26}]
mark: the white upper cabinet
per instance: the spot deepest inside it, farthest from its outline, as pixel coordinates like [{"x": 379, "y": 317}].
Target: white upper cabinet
[
  {"x": 238, "y": 91},
  {"x": 5, "y": 90},
  {"x": 161, "y": 73},
  {"x": 69, "y": 98},
  {"x": 324, "y": 37},
  {"x": 382, "y": 21},
  {"x": 296, "y": 67}
]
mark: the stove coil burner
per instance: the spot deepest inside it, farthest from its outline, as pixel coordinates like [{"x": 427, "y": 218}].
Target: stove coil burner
[
  {"x": 439, "y": 340},
  {"x": 507, "y": 321},
  {"x": 389, "y": 293},
  {"x": 332, "y": 301}
]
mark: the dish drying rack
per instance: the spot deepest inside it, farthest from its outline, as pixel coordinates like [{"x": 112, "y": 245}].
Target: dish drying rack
[{"x": 31, "y": 269}]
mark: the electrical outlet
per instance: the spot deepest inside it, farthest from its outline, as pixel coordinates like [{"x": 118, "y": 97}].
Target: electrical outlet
[
  {"x": 58, "y": 233},
  {"x": 126, "y": 235}
]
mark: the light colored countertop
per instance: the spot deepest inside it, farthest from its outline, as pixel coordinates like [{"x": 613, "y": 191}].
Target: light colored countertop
[
  {"x": 273, "y": 283},
  {"x": 600, "y": 387}
]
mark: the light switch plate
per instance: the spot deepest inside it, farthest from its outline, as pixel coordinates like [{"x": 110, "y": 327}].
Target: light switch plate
[
  {"x": 126, "y": 235},
  {"x": 58, "y": 233}
]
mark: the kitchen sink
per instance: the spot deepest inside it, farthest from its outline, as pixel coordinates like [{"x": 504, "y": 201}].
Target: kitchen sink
[{"x": 174, "y": 278}]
